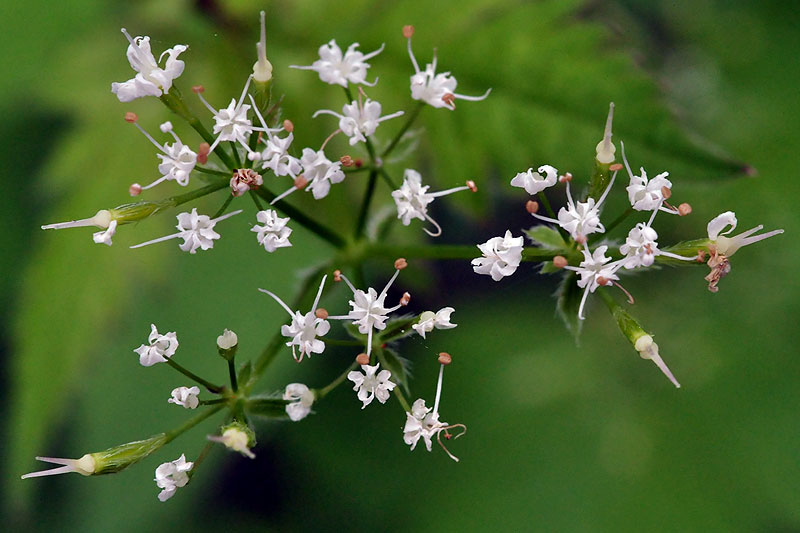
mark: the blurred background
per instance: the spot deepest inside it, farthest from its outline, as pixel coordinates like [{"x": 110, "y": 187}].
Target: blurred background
[{"x": 561, "y": 437}]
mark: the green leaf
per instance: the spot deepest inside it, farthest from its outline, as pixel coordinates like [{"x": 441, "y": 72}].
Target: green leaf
[
  {"x": 568, "y": 299},
  {"x": 547, "y": 237}
]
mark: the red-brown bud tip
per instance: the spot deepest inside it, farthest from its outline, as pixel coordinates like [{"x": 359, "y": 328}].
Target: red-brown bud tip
[
  {"x": 300, "y": 181},
  {"x": 615, "y": 167},
  {"x": 131, "y": 117},
  {"x": 565, "y": 178},
  {"x": 472, "y": 186},
  {"x": 288, "y": 125},
  {"x": 362, "y": 359},
  {"x": 202, "y": 153},
  {"x": 532, "y": 206},
  {"x": 666, "y": 192},
  {"x": 346, "y": 161},
  {"x": 560, "y": 261},
  {"x": 408, "y": 31},
  {"x": 400, "y": 263},
  {"x": 197, "y": 89},
  {"x": 445, "y": 359},
  {"x": 135, "y": 189},
  {"x": 359, "y": 162},
  {"x": 405, "y": 299},
  {"x": 321, "y": 312},
  {"x": 337, "y": 275},
  {"x": 202, "y": 158},
  {"x": 449, "y": 99},
  {"x": 602, "y": 281},
  {"x": 684, "y": 209}
]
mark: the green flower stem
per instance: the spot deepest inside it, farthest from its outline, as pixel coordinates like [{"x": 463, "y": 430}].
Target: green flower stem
[
  {"x": 412, "y": 116},
  {"x": 216, "y": 389},
  {"x": 552, "y": 214},
  {"x": 224, "y": 206},
  {"x": 232, "y": 374},
  {"x": 338, "y": 342},
  {"x": 256, "y": 201},
  {"x": 179, "y": 199},
  {"x": 215, "y": 401},
  {"x": 388, "y": 179},
  {"x": 321, "y": 393},
  {"x": 192, "y": 422},
  {"x": 362, "y": 168},
  {"x": 402, "y": 399},
  {"x": 206, "y": 170},
  {"x": 235, "y": 154},
  {"x": 200, "y": 458},
  {"x": 298, "y": 216},
  {"x": 364, "y": 209},
  {"x": 617, "y": 221}
]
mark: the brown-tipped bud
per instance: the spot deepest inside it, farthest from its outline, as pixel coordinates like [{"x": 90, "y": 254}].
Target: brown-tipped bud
[
  {"x": 321, "y": 312},
  {"x": 346, "y": 161},
  {"x": 202, "y": 153},
  {"x": 131, "y": 117},
  {"x": 400, "y": 263},
  {"x": 560, "y": 261},
  {"x": 445, "y": 359},
  {"x": 135, "y": 189},
  {"x": 337, "y": 275},
  {"x": 602, "y": 281},
  {"x": 288, "y": 125},
  {"x": 359, "y": 162},
  {"x": 615, "y": 167},
  {"x": 666, "y": 192},
  {"x": 532, "y": 206},
  {"x": 408, "y": 31},
  {"x": 701, "y": 256},
  {"x": 684, "y": 209},
  {"x": 472, "y": 186},
  {"x": 197, "y": 89},
  {"x": 449, "y": 99},
  {"x": 202, "y": 158},
  {"x": 565, "y": 178},
  {"x": 300, "y": 181},
  {"x": 405, "y": 299},
  {"x": 362, "y": 359}
]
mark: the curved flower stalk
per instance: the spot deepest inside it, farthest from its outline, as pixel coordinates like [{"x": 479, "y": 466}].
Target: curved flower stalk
[
  {"x": 150, "y": 79},
  {"x": 337, "y": 69},
  {"x": 412, "y": 199},
  {"x": 197, "y": 231}
]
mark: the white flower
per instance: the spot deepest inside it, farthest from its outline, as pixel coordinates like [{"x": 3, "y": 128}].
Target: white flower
[
  {"x": 186, "y": 397},
  {"x": 722, "y": 246},
  {"x": 359, "y": 122},
  {"x": 84, "y": 466},
  {"x": 274, "y": 233},
  {"x": 160, "y": 348},
  {"x": 150, "y": 80},
  {"x": 170, "y": 476},
  {"x": 501, "y": 256},
  {"x": 102, "y": 219},
  {"x": 235, "y": 439},
  {"x": 594, "y": 272},
  {"x": 649, "y": 350},
  {"x": 197, "y": 231},
  {"x": 641, "y": 247},
  {"x": 430, "y": 320},
  {"x": 301, "y": 399},
  {"x": 412, "y": 199},
  {"x": 227, "y": 340},
  {"x": 177, "y": 159},
  {"x": 231, "y": 123},
  {"x": 276, "y": 156},
  {"x": 305, "y": 328},
  {"x": 371, "y": 385},
  {"x": 437, "y": 90},
  {"x": 320, "y": 172},
  {"x": 104, "y": 237},
  {"x": 644, "y": 194},
  {"x": 535, "y": 182},
  {"x": 335, "y": 69}
]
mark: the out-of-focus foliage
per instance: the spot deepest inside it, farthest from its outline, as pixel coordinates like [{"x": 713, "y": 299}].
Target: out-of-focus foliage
[{"x": 559, "y": 437}]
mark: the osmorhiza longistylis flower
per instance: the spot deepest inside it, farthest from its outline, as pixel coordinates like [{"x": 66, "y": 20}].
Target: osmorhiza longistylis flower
[{"x": 197, "y": 231}]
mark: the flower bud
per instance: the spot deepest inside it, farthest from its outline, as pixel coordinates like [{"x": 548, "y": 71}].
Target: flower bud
[
  {"x": 362, "y": 359},
  {"x": 238, "y": 437},
  {"x": 262, "y": 70},
  {"x": 227, "y": 344}
]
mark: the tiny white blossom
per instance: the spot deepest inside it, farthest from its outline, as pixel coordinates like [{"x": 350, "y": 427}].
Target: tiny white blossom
[
  {"x": 336, "y": 69},
  {"x": 304, "y": 328},
  {"x": 150, "y": 80},
  {"x": 501, "y": 256},
  {"x": 320, "y": 172},
  {"x": 274, "y": 233},
  {"x": 186, "y": 397},
  {"x": 647, "y": 194},
  {"x": 197, "y": 231},
  {"x": 301, "y": 399},
  {"x": 437, "y": 90},
  {"x": 429, "y": 320},
  {"x": 594, "y": 272},
  {"x": 641, "y": 247},
  {"x": 231, "y": 123},
  {"x": 177, "y": 159},
  {"x": 371, "y": 385},
  {"x": 171, "y": 476},
  {"x": 227, "y": 340},
  {"x": 104, "y": 237},
  {"x": 535, "y": 182},
  {"x": 412, "y": 200},
  {"x": 359, "y": 121},
  {"x": 161, "y": 347}
]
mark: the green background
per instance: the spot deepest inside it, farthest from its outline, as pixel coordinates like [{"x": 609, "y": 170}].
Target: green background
[{"x": 560, "y": 438}]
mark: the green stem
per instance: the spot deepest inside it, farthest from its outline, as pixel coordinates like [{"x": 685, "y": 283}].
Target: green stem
[
  {"x": 617, "y": 221},
  {"x": 216, "y": 389},
  {"x": 338, "y": 342},
  {"x": 256, "y": 201},
  {"x": 225, "y": 205},
  {"x": 214, "y": 171},
  {"x": 321, "y": 393},
  {"x": 214, "y": 401},
  {"x": 412, "y": 116},
  {"x": 232, "y": 374},
  {"x": 388, "y": 179},
  {"x": 298, "y": 216},
  {"x": 402, "y": 399},
  {"x": 364, "y": 209},
  {"x": 192, "y": 423},
  {"x": 179, "y": 199},
  {"x": 235, "y": 154}
]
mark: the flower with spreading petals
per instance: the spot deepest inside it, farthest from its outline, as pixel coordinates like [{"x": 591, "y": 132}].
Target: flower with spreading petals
[
  {"x": 171, "y": 476},
  {"x": 437, "y": 90},
  {"x": 722, "y": 246},
  {"x": 305, "y": 328},
  {"x": 412, "y": 199},
  {"x": 177, "y": 159},
  {"x": 647, "y": 194},
  {"x": 501, "y": 256},
  {"x": 274, "y": 233},
  {"x": 186, "y": 397},
  {"x": 535, "y": 182},
  {"x": 429, "y": 320},
  {"x": 372, "y": 384},
  {"x": 197, "y": 231},
  {"x": 641, "y": 247},
  {"x": 161, "y": 347},
  {"x": 320, "y": 172},
  {"x": 150, "y": 79},
  {"x": 594, "y": 272},
  {"x": 338, "y": 69},
  {"x": 359, "y": 121},
  {"x": 300, "y": 399},
  {"x": 231, "y": 123}
]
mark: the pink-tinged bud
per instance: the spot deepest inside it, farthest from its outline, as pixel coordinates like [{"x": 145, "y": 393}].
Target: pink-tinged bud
[
  {"x": 321, "y": 312},
  {"x": 666, "y": 192},
  {"x": 135, "y": 189},
  {"x": 532, "y": 206},
  {"x": 300, "y": 182},
  {"x": 560, "y": 261},
  {"x": 472, "y": 186},
  {"x": 565, "y": 178},
  {"x": 337, "y": 275},
  {"x": 202, "y": 153},
  {"x": 408, "y": 31},
  {"x": 288, "y": 125},
  {"x": 346, "y": 161},
  {"x": 405, "y": 299},
  {"x": 445, "y": 358},
  {"x": 615, "y": 167},
  {"x": 602, "y": 281},
  {"x": 359, "y": 162},
  {"x": 362, "y": 359},
  {"x": 684, "y": 209},
  {"x": 131, "y": 117},
  {"x": 400, "y": 263},
  {"x": 197, "y": 89}
]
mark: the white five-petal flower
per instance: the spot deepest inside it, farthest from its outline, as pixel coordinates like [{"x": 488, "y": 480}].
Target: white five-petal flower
[
  {"x": 177, "y": 159},
  {"x": 171, "y": 476},
  {"x": 274, "y": 233},
  {"x": 535, "y": 182},
  {"x": 501, "y": 256},
  {"x": 595, "y": 271},
  {"x": 372, "y": 384},
  {"x": 151, "y": 79},
  {"x": 300, "y": 398},
  {"x": 359, "y": 121},
  {"x": 186, "y": 397},
  {"x": 338, "y": 69},
  {"x": 231, "y": 123},
  {"x": 161, "y": 347},
  {"x": 412, "y": 199},
  {"x": 197, "y": 231},
  {"x": 429, "y": 320},
  {"x": 647, "y": 194}
]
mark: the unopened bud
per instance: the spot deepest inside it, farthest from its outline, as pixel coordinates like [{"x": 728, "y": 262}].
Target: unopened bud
[
  {"x": 560, "y": 261},
  {"x": 337, "y": 275},
  {"x": 227, "y": 344},
  {"x": 472, "y": 186},
  {"x": 445, "y": 359},
  {"x": 346, "y": 161},
  {"x": 135, "y": 189},
  {"x": 359, "y": 162},
  {"x": 684, "y": 209},
  {"x": 300, "y": 182},
  {"x": 237, "y": 437},
  {"x": 202, "y": 153},
  {"x": 197, "y": 89},
  {"x": 408, "y": 31},
  {"x": 615, "y": 167},
  {"x": 400, "y": 263},
  {"x": 362, "y": 359},
  {"x": 532, "y": 206},
  {"x": 405, "y": 299},
  {"x": 321, "y": 312},
  {"x": 565, "y": 178},
  {"x": 288, "y": 125},
  {"x": 131, "y": 117}
]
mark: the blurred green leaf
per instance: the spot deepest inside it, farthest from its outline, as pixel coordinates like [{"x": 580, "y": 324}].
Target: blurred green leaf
[{"x": 547, "y": 237}]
